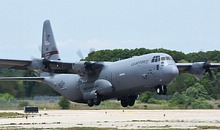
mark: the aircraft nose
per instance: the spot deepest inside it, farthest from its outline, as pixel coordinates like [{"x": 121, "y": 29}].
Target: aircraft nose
[
  {"x": 174, "y": 71},
  {"x": 170, "y": 73}
]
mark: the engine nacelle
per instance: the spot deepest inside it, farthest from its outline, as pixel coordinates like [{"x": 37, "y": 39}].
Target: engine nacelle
[
  {"x": 103, "y": 87},
  {"x": 79, "y": 68},
  {"x": 198, "y": 69},
  {"x": 36, "y": 65},
  {"x": 89, "y": 95}
]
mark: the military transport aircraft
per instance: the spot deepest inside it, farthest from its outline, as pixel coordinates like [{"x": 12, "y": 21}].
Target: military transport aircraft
[{"x": 92, "y": 82}]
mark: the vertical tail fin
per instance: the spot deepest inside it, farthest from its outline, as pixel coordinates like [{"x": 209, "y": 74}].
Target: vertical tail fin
[{"x": 49, "y": 49}]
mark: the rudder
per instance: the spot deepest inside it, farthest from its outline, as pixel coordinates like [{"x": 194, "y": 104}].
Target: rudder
[{"x": 49, "y": 50}]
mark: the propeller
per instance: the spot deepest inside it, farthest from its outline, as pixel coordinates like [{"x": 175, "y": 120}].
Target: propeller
[
  {"x": 80, "y": 54},
  {"x": 46, "y": 64},
  {"x": 92, "y": 68},
  {"x": 207, "y": 66}
]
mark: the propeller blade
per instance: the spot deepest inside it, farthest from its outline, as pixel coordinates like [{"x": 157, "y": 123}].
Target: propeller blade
[
  {"x": 210, "y": 74},
  {"x": 79, "y": 53},
  {"x": 206, "y": 66},
  {"x": 46, "y": 63}
]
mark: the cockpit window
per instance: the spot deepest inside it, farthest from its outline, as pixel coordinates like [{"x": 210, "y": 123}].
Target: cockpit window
[
  {"x": 156, "y": 59},
  {"x": 163, "y": 58},
  {"x": 168, "y": 58}
]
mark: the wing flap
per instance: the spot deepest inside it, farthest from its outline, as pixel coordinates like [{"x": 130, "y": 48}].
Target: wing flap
[
  {"x": 62, "y": 67},
  {"x": 14, "y": 64}
]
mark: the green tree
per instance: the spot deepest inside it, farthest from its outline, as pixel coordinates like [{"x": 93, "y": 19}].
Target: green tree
[
  {"x": 181, "y": 99},
  {"x": 144, "y": 97},
  {"x": 193, "y": 97},
  {"x": 197, "y": 92},
  {"x": 7, "y": 97},
  {"x": 64, "y": 103},
  {"x": 183, "y": 81},
  {"x": 200, "y": 104},
  {"x": 36, "y": 88}
]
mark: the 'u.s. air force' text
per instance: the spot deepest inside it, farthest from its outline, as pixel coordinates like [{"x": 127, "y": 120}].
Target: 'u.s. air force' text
[{"x": 140, "y": 62}]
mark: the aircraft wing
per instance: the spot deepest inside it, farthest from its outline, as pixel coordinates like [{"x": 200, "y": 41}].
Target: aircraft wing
[
  {"x": 183, "y": 66},
  {"x": 196, "y": 66},
  {"x": 53, "y": 66}
]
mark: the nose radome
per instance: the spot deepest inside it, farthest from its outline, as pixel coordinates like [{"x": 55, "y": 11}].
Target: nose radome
[
  {"x": 174, "y": 71},
  {"x": 170, "y": 73}
]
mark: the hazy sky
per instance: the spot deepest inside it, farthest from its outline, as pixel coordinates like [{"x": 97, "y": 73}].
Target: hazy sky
[{"x": 182, "y": 25}]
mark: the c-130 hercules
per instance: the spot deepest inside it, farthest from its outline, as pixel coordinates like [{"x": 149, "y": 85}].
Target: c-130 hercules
[{"x": 92, "y": 82}]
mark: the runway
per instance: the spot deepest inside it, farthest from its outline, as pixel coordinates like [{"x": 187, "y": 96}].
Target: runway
[{"x": 119, "y": 119}]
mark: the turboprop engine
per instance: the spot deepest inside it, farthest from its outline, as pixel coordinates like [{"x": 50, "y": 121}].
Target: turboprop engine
[
  {"x": 101, "y": 87},
  {"x": 200, "y": 68}
]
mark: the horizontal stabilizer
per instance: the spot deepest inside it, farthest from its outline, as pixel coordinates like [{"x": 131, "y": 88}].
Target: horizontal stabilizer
[{"x": 38, "y": 79}]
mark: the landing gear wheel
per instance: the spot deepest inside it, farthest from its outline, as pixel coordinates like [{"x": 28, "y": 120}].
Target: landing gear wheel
[
  {"x": 124, "y": 103},
  {"x": 97, "y": 100},
  {"x": 128, "y": 101},
  {"x": 90, "y": 102},
  {"x": 159, "y": 90},
  {"x": 131, "y": 102}
]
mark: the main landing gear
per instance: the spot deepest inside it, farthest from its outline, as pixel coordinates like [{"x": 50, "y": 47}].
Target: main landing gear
[
  {"x": 161, "y": 90},
  {"x": 96, "y": 101},
  {"x": 128, "y": 101},
  {"x": 125, "y": 101}
]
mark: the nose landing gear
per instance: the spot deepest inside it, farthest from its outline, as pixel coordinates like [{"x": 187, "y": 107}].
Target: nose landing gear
[{"x": 161, "y": 90}]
